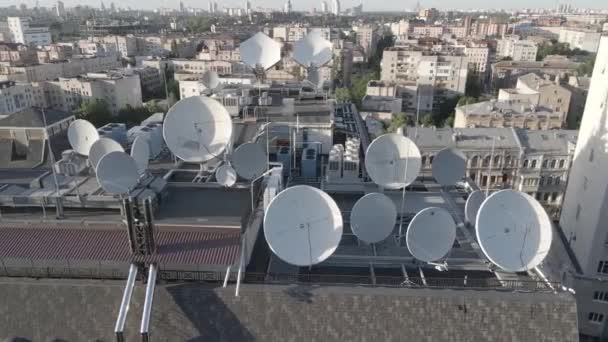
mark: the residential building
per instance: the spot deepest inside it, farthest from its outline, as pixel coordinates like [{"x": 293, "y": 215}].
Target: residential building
[
  {"x": 507, "y": 113},
  {"x": 535, "y": 162},
  {"x": 506, "y": 73},
  {"x": 434, "y": 31},
  {"x": 126, "y": 46},
  {"x": 479, "y": 57},
  {"x": 583, "y": 39},
  {"x": 56, "y": 69},
  {"x": 17, "y": 54},
  {"x": 149, "y": 78},
  {"x": 367, "y": 38},
  {"x": 295, "y": 33},
  {"x": 579, "y": 87},
  {"x": 541, "y": 92},
  {"x": 428, "y": 14},
  {"x": 400, "y": 28},
  {"x": 54, "y": 52},
  {"x": 118, "y": 89},
  {"x": 21, "y": 32},
  {"x": 15, "y": 97},
  {"x": 335, "y": 7},
  {"x": 517, "y": 50},
  {"x": 446, "y": 74},
  {"x": 585, "y": 207}
]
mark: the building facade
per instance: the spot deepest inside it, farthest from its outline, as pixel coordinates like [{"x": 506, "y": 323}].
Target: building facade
[
  {"x": 517, "y": 50},
  {"x": 21, "y": 32},
  {"x": 586, "y": 40},
  {"x": 15, "y": 97},
  {"x": 585, "y": 207}
]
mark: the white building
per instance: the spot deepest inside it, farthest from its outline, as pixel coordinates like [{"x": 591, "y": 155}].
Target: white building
[
  {"x": 586, "y": 40},
  {"x": 367, "y": 38},
  {"x": 517, "y": 50},
  {"x": 479, "y": 58},
  {"x": 60, "y": 9},
  {"x": 335, "y": 9},
  {"x": 585, "y": 209},
  {"x": 21, "y": 32},
  {"x": 324, "y": 7},
  {"x": 117, "y": 89},
  {"x": 65, "y": 68}
]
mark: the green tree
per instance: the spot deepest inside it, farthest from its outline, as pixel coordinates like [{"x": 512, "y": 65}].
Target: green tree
[
  {"x": 132, "y": 116},
  {"x": 473, "y": 86},
  {"x": 428, "y": 120},
  {"x": 96, "y": 112},
  {"x": 449, "y": 121},
  {"x": 398, "y": 120},
  {"x": 174, "y": 50},
  {"x": 586, "y": 67},
  {"x": 359, "y": 86},
  {"x": 342, "y": 94},
  {"x": 466, "y": 100}
]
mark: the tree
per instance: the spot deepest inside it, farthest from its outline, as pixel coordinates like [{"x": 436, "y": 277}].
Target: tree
[
  {"x": 342, "y": 94},
  {"x": 397, "y": 121},
  {"x": 95, "y": 111},
  {"x": 174, "y": 49},
  {"x": 358, "y": 87},
  {"x": 449, "y": 121},
  {"x": 473, "y": 86},
  {"x": 466, "y": 100},
  {"x": 586, "y": 67},
  {"x": 427, "y": 120},
  {"x": 132, "y": 116}
]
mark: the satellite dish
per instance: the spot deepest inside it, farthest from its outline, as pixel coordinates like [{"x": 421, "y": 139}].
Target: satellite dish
[
  {"x": 81, "y": 135},
  {"x": 102, "y": 147},
  {"x": 472, "y": 205},
  {"x": 117, "y": 173},
  {"x": 260, "y": 51},
  {"x": 197, "y": 129},
  {"x": 303, "y": 225},
  {"x": 140, "y": 151},
  {"x": 449, "y": 166},
  {"x": 392, "y": 161},
  {"x": 513, "y": 230},
  {"x": 431, "y": 234},
  {"x": 373, "y": 217},
  {"x": 211, "y": 79},
  {"x": 225, "y": 175},
  {"x": 249, "y": 160},
  {"x": 313, "y": 50}
]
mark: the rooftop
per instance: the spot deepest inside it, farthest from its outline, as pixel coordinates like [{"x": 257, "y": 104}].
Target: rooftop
[
  {"x": 505, "y": 108},
  {"x": 33, "y": 117}
]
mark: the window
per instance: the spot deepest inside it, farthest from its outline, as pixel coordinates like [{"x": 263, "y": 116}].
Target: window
[
  {"x": 533, "y": 164},
  {"x": 556, "y": 181},
  {"x": 595, "y": 317},
  {"x": 542, "y": 181},
  {"x": 591, "y": 153},
  {"x": 549, "y": 180},
  {"x": 600, "y": 296},
  {"x": 474, "y": 161},
  {"x": 562, "y": 163},
  {"x": 431, "y": 159},
  {"x": 423, "y": 160},
  {"x": 602, "y": 267},
  {"x": 553, "y": 163},
  {"x": 554, "y": 197},
  {"x": 526, "y": 163},
  {"x": 546, "y": 197}
]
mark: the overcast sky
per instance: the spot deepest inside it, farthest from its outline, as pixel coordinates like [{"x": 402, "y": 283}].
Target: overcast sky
[{"x": 308, "y": 5}]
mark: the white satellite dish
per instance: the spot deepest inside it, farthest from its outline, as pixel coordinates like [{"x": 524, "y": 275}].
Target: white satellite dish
[
  {"x": 313, "y": 50},
  {"x": 392, "y": 161},
  {"x": 140, "y": 151},
  {"x": 472, "y": 205},
  {"x": 225, "y": 175},
  {"x": 102, "y": 147},
  {"x": 373, "y": 217},
  {"x": 197, "y": 129},
  {"x": 431, "y": 234},
  {"x": 249, "y": 160},
  {"x": 117, "y": 173},
  {"x": 211, "y": 79},
  {"x": 513, "y": 230},
  {"x": 449, "y": 166},
  {"x": 260, "y": 51},
  {"x": 303, "y": 225},
  {"x": 81, "y": 135}
]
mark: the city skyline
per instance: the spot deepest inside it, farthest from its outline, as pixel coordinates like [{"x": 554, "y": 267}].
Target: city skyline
[{"x": 309, "y": 5}]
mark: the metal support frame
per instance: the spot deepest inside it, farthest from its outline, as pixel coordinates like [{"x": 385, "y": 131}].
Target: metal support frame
[
  {"x": 145, "y": 316},
  {"x": 226, "y": 277},
  {"x": 241, "y": 262},
  {"x": 124, "y": 304}
]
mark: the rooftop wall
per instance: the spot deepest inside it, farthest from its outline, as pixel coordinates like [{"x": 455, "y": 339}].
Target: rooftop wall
[{"x": 73, "y": 310}]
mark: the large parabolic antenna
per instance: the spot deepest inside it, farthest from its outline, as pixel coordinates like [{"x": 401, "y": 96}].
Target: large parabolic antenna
[
  {"x": 303, "y": 225},
  {"x": 260, "y": 51},
  {"x": 117, "y": 173},
  {"x": 249, "y": 160},
  {"x": 449, "y": 166},
  {"x": 472, "y": 205},
  {"x": 430, "y": 234},
  {"x": 211, "y": 79},
  {"x": 392, "y": 161},
  {"x": 225, "y": 175},
  {"x": 140, "y": 151},
  {"x": 373, "y": 217},
  {"x": 197, "y": 129},
  {"x": 102, "y": 147},
  {"x": 513, "y": 230},
  {"x": 81, "y": 135},
  {"x": 313, "y": 50}
]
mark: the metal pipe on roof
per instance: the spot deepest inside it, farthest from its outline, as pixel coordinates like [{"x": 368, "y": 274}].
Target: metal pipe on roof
[
  {"x": 145, "y": 316},
  {"x": 124, "y": 304}
]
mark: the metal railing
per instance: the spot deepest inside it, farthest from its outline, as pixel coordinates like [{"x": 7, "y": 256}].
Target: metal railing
[{"x": 401, "y": 282}]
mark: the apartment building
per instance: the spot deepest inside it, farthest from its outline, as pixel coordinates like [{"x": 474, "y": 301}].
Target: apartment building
[
  {"x": 57, "y": 69},
  {"x": 367, "y": 38},
  {"x": 126, "y": 46},
  {"x": 15, "y": 97},
  {"x": 17, "y": 54},
  {"x": 506, "y": 73},
  {"x": 517, "y": 50},
  {"x": 21, "y": 32},
  {"x": 585, "y": 207},
  {"x": 54, "y": 52},
  {"x": 445, "y": 74},
  {"x": 507, "y": 113},
  {"x": 118, "y": 89},
  {"x": 535, "y": 162},
  {"x": 435, "y": 31},
  {"x": 540, "y": 91},
  {"x": 583, "y": 39},
  {"x": 479, "y": 57}
]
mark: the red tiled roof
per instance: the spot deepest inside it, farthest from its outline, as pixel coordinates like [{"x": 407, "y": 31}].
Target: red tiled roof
[{"x": 204, "y": 247}]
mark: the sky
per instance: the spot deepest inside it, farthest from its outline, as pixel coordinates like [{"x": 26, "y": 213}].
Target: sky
[{"x": 301, "y": 5}]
